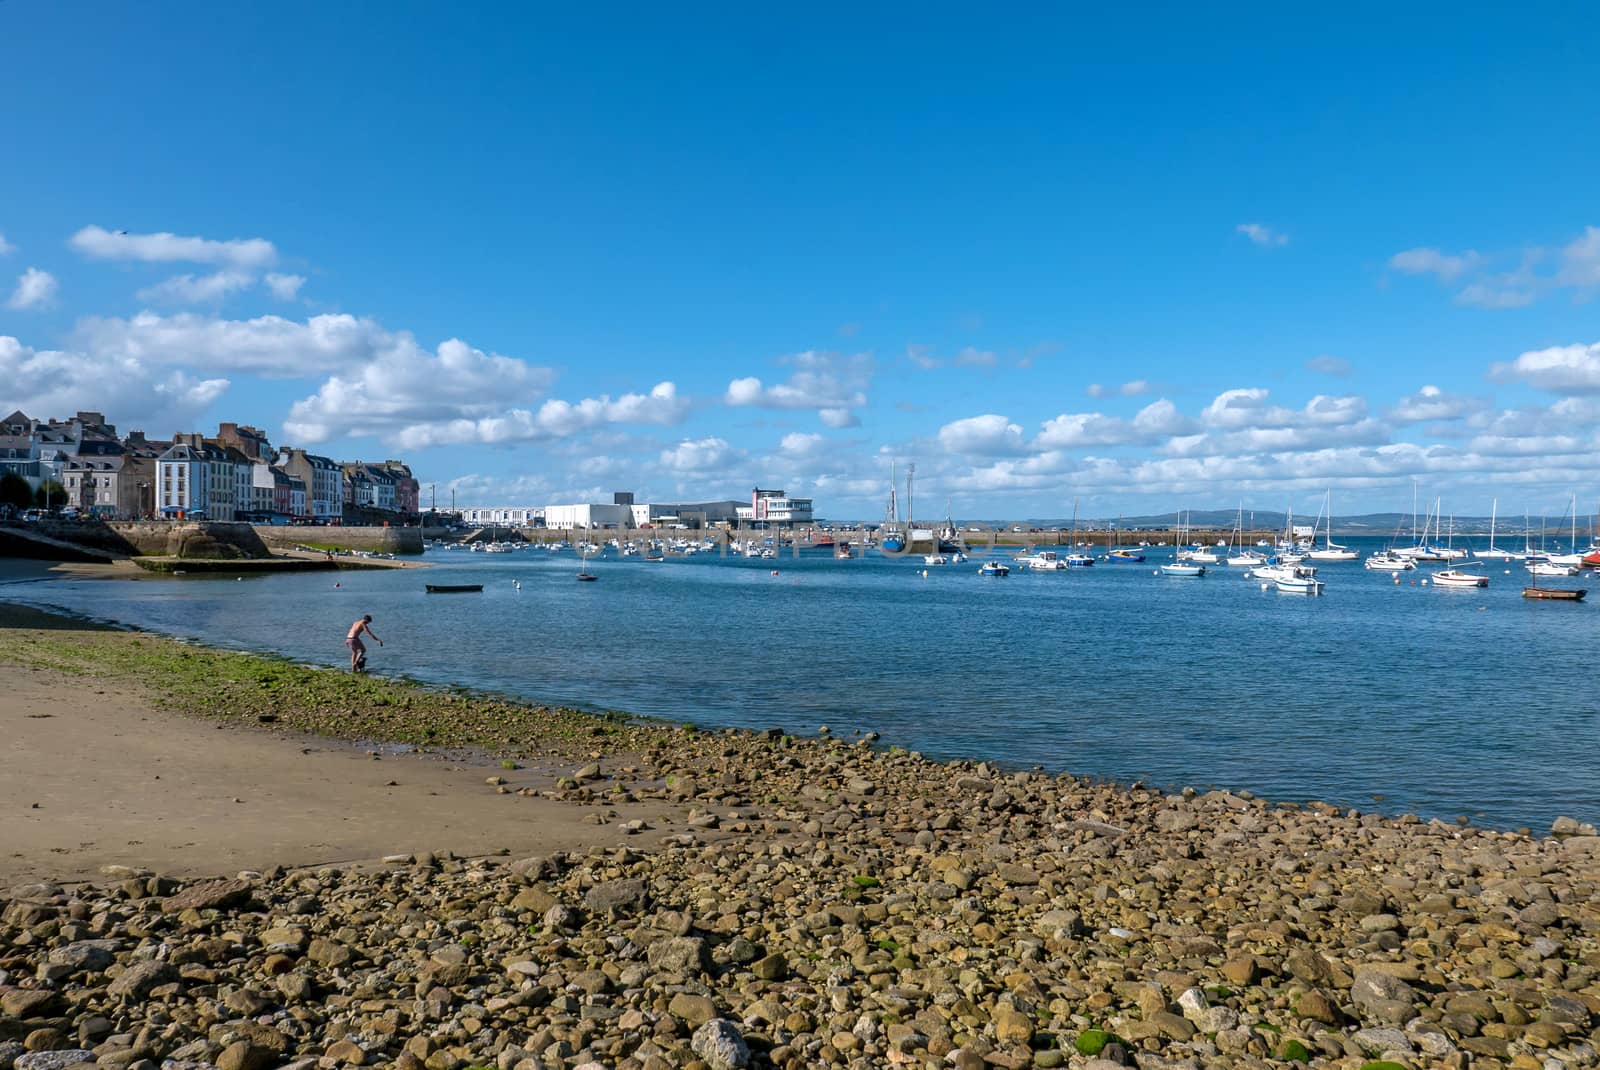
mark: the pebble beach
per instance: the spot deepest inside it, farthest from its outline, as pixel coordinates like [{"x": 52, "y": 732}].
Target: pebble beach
[{"x": 795, "y": 897}]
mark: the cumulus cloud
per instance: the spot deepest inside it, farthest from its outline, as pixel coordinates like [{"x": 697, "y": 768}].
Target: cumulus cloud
[
  {"x": 697, "y": 455},
  {"x": 1430, "y": 261},
  {"x": 284, "y": 287},
  {"x": 1580, "y": 261},
  {"x": 1337, "y": 367},
  {"x": 800, "y": 444},
  {"x": 197, "y": 289},
  {"x": 58, "y": 381},
  {"x": 270, "y": 346},
  {"x": 1261, "y": 234},
  {"x": 831, "y": 384},
  {"x": 987, "y": 434},
  {"x": 35, "y": 289},
  {"x": 1432, "y": 403},
  {"x": 1571, "y": 369},
  {"x": 6, "y": 248},
  {"x": 100, "y": 244}
]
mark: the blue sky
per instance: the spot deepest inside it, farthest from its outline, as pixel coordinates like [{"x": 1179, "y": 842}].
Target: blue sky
[{"x": 1153, "y": 259}]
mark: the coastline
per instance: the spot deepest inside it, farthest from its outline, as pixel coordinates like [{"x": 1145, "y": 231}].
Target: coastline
[{"x": 833, "y": 903}]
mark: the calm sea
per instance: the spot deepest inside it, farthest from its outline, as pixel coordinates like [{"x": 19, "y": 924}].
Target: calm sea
[{"x": 1382, "y": 696}]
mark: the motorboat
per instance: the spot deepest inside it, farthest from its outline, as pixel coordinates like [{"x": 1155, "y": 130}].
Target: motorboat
[
  {"x": 994, "y": 568},
  {"x": 1455, "y": 577},
  {"x": 1552, "y": 567},
  {"x": 1389, "y": 561},
  {"x": 1078, "y": 559},
  {"x": 1200, "y": 556},
  {"x": 935, "y": 559},
  {"x": 1043, "y": 561},
  {"x": 1183, "y": 570},
  {"x": 1123, "y": 554},
  {"x": 1298, "y": 579}
]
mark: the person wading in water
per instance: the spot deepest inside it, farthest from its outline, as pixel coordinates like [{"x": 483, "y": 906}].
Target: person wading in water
[{"x": 358, "y": 650}]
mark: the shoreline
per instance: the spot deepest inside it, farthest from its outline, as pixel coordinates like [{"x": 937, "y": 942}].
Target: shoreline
[{"x": 828, "y": 902}]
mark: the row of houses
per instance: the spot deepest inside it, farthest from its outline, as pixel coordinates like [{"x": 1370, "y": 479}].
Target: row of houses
[
  {"x": 235, "y": 474},
  {"x": 766, "y": 508}
]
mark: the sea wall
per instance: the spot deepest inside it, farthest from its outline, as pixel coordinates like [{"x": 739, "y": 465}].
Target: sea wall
[
  {"x": 194, "y": 539},
  {"x": 378, "y": 540}
]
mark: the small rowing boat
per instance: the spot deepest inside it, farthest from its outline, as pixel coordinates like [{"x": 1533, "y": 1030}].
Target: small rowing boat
[
  {"x": 1556, "y": 594},
  {"x": 452, "y": 588}
]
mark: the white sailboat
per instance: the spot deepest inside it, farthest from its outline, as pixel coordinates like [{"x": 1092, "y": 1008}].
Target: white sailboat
[
  {"x": 1242, "y": 557},
  {"x": 1494, "y": 553},
  {"x": 1574, "y": 559},
  {"x": 1331, "y": 551},
  {"x": 1183, "y": 567}
]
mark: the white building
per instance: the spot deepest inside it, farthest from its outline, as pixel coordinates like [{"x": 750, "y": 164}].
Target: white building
[
  {"x": 518, "y": 516},
  {"x": 183, "y": 479},
  {"x": 775, "y": 508},
  {"x": 586, "y": 517}
]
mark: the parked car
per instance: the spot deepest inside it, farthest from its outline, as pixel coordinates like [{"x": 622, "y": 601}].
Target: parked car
[{"x": 31, "y": 515}]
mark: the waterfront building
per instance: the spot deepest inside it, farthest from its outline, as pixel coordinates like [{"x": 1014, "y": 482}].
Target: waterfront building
[
  {"x": 686, "y": 514},
  {"x": 184, "y": 474},
  {"x": 508, "y": 515},
  {"x": 587, "y": 517},
  {"x": 323, "y": 480},
  {"x": 774, "y": 508}
]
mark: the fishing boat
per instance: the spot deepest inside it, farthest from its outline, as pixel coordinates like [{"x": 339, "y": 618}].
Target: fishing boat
[
  {"x": 994, "y": 568},
  {"x": 1331, "y": 551},
  {"x": 1556, "y": 594},
  {"x": 1455, "y": 577},
  {"x": 452, "y": 588}
]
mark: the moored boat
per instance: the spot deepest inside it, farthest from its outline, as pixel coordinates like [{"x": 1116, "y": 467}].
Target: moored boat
[
  {"x": 1455, "y": 577},
  {"x": 994, "y": 568},
  {"x": 1556, "y": 594},
  {"x": 452, "y": 588},
  {"x": 1124, "y": 554},
  {"x": 1298, "y": 579},
  {"x": 1389, "y": 561}
]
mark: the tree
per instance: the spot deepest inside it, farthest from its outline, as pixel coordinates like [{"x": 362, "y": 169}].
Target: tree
[
  {"x": 50, "y": 495},
  {"x": 14, "y": 490}
]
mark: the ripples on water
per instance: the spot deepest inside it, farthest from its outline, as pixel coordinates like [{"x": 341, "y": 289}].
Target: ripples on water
[{"x": 1444, "y": 702}]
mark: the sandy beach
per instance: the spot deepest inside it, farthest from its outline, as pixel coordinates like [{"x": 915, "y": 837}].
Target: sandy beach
[{"x": 640, "y": 896}]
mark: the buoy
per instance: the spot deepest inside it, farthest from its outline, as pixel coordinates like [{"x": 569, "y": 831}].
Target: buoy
[
  {"x": 924, "y": 573},
  {"x": 1263, "y": 586},
  {"x": 336, "y": 583},
  {"x": 1397, "y": 581},
  {"x": 774, "y": 572},
  {"x": 1424, "y": 583}
]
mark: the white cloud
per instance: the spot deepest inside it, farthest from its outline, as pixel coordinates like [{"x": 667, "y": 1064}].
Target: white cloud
[
  {"x": 987, "y": 434},
  {"x": 1432, "y": 403},
  {"x": 270, "y": 346},
  {"x": 6, "y": 248},
  {"x": 1572, "y": 369},
  {"x": 284, "y": 287},
  {"x": 1507, "y": 291},
  {"x": 35, "y": 289},
  {"x": 1132, "y": 388},
  {"x": 197, "y": 289},
  {"x": 101, "y": 244},
  {"x": 801, "y": 444},
  {"x": 1430, "y": 261},
  {"x": 1580, "y": 261},
  {"x": 972, "y": 357},
  {"x": 135, "y": 396},
  {"x": 698, "y": 455},
  {"x": 1073, "y": 430},
  {"x": 1337, "y": 367},
  {"x": 1161, "y": 418},
  {"x": 831, "y": 384},
  {"x": 1261, "y": 234}
]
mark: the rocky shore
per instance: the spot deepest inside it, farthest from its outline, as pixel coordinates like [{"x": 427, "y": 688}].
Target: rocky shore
[{"x": 822, "y": 902}]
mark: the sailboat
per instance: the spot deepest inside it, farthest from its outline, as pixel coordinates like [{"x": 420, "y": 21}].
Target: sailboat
[
  {"x": 1182, "y": 567},
  {"x": 893, "y": 540},
  {"x": 1494, "y": 553},
  {"x": 1197, "y": 554},
  {"x": 1076, "y": 558},
  {"x": 1331, "y": 551},
  {"x": 584, "y": 575},
  {"x": 1573, "y": 559},
  {"x": 1241, "y": 557}
]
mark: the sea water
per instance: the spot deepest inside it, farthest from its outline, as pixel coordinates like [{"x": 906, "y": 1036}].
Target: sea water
[{"x": 1379, "y": 695}]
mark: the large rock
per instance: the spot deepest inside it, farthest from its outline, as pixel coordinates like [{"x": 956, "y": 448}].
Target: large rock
[
  {"x": 678, "y": 954},
  {"x": 213, "y": 895},
  {"x": 1383, "y": 996},
  {"x": 136, "y": 981},
  {"x": 53, "y": 1060},
  {"x": 90, "y": 955},
  {"x": 609, "y": 897},
  {"x": 718, "y": 1042}
]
